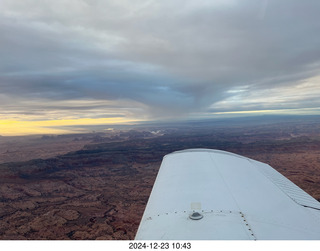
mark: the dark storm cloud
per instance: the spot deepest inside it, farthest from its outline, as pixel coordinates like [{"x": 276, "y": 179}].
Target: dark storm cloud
[{"x": 169, "y": 57}]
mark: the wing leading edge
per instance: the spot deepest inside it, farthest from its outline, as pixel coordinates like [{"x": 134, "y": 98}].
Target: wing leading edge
[{"x": 203, "y": 194}]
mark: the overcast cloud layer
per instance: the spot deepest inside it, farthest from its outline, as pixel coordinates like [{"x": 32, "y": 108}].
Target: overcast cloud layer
[{"x": 150, "y": 59}]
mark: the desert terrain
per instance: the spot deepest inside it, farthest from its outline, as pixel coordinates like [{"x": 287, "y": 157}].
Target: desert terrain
[{"x": 96, "y": 185}]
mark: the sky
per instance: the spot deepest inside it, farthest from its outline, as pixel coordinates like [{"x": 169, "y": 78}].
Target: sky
[{"x": 100, "y": 62}]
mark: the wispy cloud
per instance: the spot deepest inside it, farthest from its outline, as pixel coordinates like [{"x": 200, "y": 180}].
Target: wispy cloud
[{"x": 156, "y": 59}]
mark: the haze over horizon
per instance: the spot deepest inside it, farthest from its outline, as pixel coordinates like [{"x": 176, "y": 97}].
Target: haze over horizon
[{"x": 95, "y": 62}]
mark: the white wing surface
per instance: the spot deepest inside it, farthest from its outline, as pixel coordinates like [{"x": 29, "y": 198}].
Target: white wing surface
[{"x": 203, "y": 194}]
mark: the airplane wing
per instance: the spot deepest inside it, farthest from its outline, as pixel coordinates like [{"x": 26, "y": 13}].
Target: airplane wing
[{"x": 203, "y": 194}]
